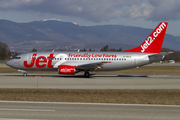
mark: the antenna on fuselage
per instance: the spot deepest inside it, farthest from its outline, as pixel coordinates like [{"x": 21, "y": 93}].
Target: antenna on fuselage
[
  {"x": 52, "y": 50},
  {"x": 78, "y": 50}
]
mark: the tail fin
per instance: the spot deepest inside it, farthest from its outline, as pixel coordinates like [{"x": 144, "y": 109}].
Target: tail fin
[{"x": 153, "y": 42}]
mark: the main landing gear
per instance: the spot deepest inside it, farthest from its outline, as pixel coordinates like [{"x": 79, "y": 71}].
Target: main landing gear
[{"x": 86, "y": 74}]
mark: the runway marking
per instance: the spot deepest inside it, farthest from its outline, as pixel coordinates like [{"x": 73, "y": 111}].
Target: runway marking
[
  {"x": 36, "y": 110},
  {"x": 16, "y": 119},
  {"x": 75, "y": 103}
]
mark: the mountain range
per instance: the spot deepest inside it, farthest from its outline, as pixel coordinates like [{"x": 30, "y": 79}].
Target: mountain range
[{"x": 52, "y": 34}]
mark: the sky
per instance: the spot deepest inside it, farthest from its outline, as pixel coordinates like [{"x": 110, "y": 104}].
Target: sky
[{"x": 138, "y": 13}]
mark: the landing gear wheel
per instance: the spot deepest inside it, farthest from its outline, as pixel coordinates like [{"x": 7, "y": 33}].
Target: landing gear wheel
[
  {"x": 24, "y": 74},
  {"x": 86, "y": 74}
]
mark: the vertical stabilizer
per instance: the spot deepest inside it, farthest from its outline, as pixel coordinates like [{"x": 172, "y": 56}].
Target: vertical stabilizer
[{"x": 154, "y": 41}]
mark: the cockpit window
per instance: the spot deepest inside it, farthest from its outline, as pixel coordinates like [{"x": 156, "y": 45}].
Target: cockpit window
[{"x": 17, "y": 57}]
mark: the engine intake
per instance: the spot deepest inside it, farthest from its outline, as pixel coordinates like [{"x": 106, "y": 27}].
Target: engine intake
[{"x": 66, "y": 69}]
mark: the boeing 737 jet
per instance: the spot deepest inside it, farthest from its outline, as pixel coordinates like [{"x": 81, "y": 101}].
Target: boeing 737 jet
[{"x": 73, "y": 62}]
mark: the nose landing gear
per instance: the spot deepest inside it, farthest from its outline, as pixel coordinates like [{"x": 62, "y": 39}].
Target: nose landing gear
[
  {"x": 24, "y": 74},
  {"x": 23, "y": 71}
]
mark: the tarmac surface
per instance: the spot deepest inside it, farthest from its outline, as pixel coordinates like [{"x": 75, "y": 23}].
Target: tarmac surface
[
  {"x": 85, "y": 111},
  {"x": 96, "y": 81}
]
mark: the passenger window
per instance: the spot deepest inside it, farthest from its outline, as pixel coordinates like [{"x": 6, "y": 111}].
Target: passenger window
[
  {"x": 80, "y": 58},
  {"x": 72, "y": 58},
  {"x": 83, "y": 58},
  {"x": 109, "y": 58}
]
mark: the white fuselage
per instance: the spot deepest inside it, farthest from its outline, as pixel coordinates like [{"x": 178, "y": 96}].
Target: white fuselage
[{"x": 51, "y": 60}]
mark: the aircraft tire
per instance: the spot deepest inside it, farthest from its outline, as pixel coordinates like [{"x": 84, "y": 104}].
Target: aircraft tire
[
  {"x": 24, "y": 74},
  {"x": 86, "y": 74}
]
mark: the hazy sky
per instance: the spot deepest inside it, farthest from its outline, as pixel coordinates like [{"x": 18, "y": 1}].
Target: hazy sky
[{"x": 141, "y": 13}]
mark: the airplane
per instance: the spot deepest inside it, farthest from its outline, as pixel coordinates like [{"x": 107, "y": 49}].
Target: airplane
[{"x": 73, "y": 62}]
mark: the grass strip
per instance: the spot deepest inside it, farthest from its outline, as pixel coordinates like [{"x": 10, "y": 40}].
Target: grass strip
[{"x": 162, "y": 97}]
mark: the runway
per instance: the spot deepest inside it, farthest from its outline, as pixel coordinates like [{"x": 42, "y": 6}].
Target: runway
[
  {"x": 85, "y": 111},
  {"x": 96, "y": 81}
]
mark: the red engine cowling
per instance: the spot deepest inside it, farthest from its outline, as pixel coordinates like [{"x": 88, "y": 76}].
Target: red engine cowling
[{"x": 66, "y": 69}]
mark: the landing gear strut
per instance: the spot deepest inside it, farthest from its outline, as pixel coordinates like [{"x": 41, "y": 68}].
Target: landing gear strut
[
  {"x": 86, "y": 74},
  {"x": 23, "y": 71}
]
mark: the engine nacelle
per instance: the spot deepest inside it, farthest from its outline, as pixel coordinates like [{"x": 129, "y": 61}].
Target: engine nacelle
[{"x": 66, "y": 69}]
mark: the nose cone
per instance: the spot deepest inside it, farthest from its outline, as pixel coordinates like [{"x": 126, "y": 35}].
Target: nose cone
[
  {"x": 8, "y": 63},
  {"x": 13, "y": 63}
]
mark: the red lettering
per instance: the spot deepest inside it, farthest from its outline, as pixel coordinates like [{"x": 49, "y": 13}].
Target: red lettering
[
  {"x": 41, "y": 59},
  {"x": 50, "y": 58},
  {"x": 38, "y": 62},
  {"x": 108, "y": 56},
  {"x": 32, "y": 61}
]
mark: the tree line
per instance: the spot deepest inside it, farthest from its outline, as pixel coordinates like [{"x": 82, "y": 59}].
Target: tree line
[
  {"x": 5, "y": 53},
  {"x": 105, "y": 48}
]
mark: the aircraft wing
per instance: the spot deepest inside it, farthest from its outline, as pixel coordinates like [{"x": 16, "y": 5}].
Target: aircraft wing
[{"x": 92, "y": 66}]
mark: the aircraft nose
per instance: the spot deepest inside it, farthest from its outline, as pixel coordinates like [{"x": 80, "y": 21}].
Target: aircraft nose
[{"x": 8, "y": 63}]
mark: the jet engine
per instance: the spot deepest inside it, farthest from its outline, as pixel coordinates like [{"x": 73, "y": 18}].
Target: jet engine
[{"x": 66, "y": 69}]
